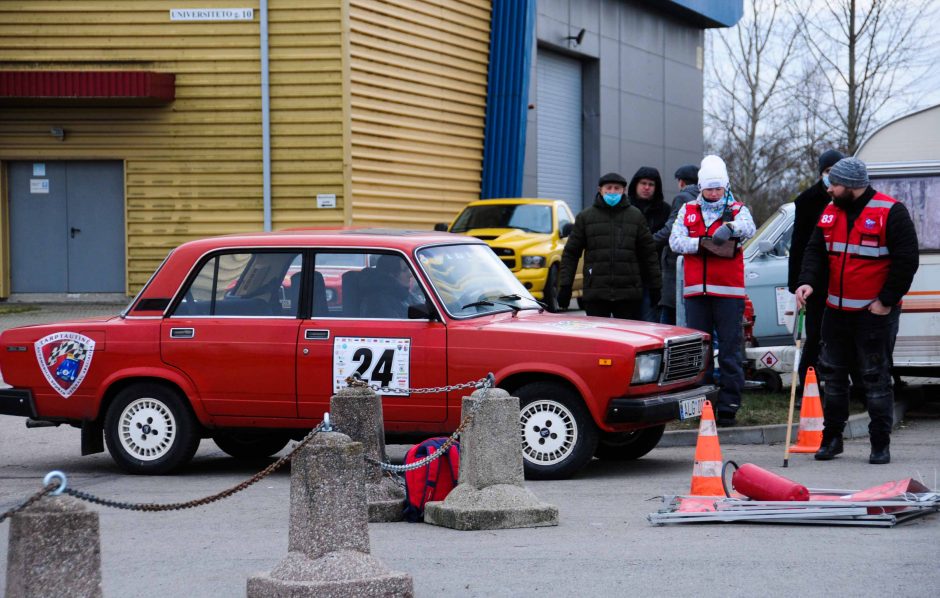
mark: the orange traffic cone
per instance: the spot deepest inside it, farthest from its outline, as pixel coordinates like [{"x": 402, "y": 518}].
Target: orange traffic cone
[
  {"x": 809, "y": 438},
  {"x": 706, "y": 473}
]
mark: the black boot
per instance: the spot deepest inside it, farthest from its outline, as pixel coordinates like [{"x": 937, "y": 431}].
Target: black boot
[
  {"x": 831, "y": 446},
  {"x": 880, "y": 455}
]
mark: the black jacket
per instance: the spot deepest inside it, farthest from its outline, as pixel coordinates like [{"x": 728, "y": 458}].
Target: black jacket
[
  {"x": 902, "y": 245},
  {"x": 809, "y": 207},
  {"x": 619, "y": 253},
  {"x": 668, "y": 261},
  {"x": 656, "y": 210}
]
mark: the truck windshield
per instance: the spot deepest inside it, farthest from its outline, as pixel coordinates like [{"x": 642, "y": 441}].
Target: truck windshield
[
  {"x": 527, "y": 217},
  {"x": 471, "y": 280}
]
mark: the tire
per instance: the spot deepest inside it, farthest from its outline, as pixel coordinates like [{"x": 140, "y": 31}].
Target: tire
[
  {"x": 550, "y": 455},
  {"x": 771, "y": 380},
  {"x": 627, "y": 446},
  {"x": 250, "y": 445},
  {"x": 169, "y": 437},
  {"x": 550, "y": 292}
]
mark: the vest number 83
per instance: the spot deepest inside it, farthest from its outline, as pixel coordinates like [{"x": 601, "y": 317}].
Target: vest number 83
[{"x": 827, "y": 218}]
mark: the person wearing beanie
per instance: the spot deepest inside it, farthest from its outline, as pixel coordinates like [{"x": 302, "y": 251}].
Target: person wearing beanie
[
  {"x": 687, "y": 180},
  {"x": 862, "y": 257},
  {"x": 709, "y": 231},
  {"x": 808, "y": 206},
  {"x": 646, "y": 194},
  {"x": 620, "y": 258}
]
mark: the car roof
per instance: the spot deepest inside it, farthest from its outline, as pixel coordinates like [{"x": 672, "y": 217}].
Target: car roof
[
  {"x": 390, "y": 238},
  {"x": 515, "y": 200}
]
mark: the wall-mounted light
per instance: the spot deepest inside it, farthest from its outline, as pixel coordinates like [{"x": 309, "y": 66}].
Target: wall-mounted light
[
  {"x": 58, "y": 133},
  {"x": 577, "y": 38}
]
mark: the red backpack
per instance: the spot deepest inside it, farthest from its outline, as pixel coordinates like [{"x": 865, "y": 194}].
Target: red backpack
[{"x": 432, "y": 482}]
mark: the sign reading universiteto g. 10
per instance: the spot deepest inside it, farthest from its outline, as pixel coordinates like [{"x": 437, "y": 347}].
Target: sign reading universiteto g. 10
[{"x": 212, "y": 14}]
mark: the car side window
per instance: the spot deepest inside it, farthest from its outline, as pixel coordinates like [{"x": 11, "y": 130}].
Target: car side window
[
  {"x": 249, "y": 284},
  {"x": 564, "y": 217},
  {"x": 366, "y": 285},
  {"x": 782, "y": 246}
]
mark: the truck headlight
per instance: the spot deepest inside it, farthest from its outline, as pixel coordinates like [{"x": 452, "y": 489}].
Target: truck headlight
[
  {"x": 646, "y": 367},
  {"x": 533, "y": 261}
]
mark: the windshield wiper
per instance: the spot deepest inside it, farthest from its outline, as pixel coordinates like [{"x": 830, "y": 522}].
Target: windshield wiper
[
  {"x": 483, "y": 303},
  {"x": 515, "y": 297},
  {"x": 489, "y": 303}
]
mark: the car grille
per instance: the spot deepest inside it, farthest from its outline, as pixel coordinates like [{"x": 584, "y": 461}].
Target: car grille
[
  {"x": 685, "y": 357},
  {"x": 507, "y": 255}
]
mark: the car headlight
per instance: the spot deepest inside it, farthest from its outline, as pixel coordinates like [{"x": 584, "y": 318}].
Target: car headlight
[
  {"x": 646, "y": 367},
  {"x": 533, "y": 261}
]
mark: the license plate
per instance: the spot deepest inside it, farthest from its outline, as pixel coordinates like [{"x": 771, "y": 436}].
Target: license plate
[{"x": 691, "y": 407}]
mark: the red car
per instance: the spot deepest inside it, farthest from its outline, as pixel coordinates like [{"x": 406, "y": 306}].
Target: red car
[{"x": 231, "y": 340}]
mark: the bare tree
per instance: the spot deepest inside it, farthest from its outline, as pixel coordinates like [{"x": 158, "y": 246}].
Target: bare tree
[
  {"x": 868, "y": 51},
  {"x": 748, "y": 120}
]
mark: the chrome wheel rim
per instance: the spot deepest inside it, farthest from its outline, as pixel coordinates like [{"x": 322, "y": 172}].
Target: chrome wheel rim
[
  {"x": 549, "y": 432},
  {"x": 147, "y": 429}
]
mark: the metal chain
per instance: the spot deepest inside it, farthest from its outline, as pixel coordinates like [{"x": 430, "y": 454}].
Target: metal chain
[
  {"x": 154, "y": 507},
  {"x": 355, "y": 381},
  {"x": 483, "y": 383},
  {"x": 32, "y": 499}
]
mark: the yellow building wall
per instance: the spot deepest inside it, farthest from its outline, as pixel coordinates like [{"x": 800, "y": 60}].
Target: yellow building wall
[
  {"x": 418, "y": 72},
  {"x": 193, "y": 168}
]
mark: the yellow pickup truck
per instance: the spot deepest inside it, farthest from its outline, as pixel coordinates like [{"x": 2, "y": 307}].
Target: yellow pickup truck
[{"x": 528, "y": 235}]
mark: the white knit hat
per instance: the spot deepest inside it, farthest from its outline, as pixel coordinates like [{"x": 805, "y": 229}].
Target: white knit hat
[{"x": 713, "y": 173}]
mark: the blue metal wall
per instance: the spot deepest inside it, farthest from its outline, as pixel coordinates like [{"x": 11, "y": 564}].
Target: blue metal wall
[{"x": 511, "y": 41}]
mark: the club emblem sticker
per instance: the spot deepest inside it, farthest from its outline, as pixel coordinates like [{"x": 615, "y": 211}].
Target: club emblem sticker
[{"x": 64, "y": 359}]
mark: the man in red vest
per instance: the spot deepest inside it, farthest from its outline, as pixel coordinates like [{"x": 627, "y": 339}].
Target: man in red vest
[
  {"x": 865, "y": 249},
  {"x": 708, "y": 231}
]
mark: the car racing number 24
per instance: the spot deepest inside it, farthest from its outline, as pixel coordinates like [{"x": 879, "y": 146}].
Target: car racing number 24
[{"x": 382, "y": 362}]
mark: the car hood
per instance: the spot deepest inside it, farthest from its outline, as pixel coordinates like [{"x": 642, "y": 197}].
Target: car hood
[
  {"x": 508, "y": 237},
  {"x": 631, "y": 332},
  {"x": 76, "y": 325}
]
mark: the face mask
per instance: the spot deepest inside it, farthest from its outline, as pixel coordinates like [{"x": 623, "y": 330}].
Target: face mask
[
  {"x": 612, "y": 199},
  {"x": 826, "y": 180}
]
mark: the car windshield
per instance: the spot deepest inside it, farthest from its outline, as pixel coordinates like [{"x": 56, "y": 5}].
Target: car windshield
[
  {"x": 471, "y": 280},
  {"x": 527, "y": 217}
]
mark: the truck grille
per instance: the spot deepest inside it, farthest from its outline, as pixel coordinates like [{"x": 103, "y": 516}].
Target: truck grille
[
  {"x": 685, "y": 357},
  {"x": 507, "y": 255}
]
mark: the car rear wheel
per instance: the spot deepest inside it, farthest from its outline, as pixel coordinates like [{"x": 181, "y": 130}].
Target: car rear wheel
[
  {"x": 150, "y": 430},
  {"x": 626, "y": 446},
  {"x": 248, "y": 445},
  {"x": 558, "y": 433},
  {"x": 550, "y": 292}
]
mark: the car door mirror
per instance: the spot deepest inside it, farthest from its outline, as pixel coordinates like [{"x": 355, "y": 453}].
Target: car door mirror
[
  {"x": 420, "y": 311},
  {"x": 566, "y": 230},
  {"x": 765, "y": 247},
  {"x": 441, "y": 227}
]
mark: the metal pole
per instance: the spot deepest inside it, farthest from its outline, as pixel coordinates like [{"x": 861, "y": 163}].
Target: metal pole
[{"x": 798, "y": 332}]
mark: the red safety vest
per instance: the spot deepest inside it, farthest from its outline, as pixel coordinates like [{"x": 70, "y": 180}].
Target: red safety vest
[
  {"x": 706, "y": 273},
  {"x": 858, "y": 258}
]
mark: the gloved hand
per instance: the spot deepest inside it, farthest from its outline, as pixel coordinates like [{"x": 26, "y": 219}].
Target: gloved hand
[
  {"x": 655, "y": 296},
  {"x": 564, "y": 297},
  {"x": 722, "y": 234}
]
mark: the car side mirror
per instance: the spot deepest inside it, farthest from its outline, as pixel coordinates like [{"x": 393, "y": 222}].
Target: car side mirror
[
  {"x": 420, "y": 311},
  {"x": 441, "y": 227},
  {"x": 764, "y": 246},
  {"x": 566, "y": 230}
]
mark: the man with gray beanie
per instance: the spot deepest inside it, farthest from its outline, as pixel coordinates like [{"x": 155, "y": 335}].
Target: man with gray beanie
[
  {"x": 809, "y": 206},
  {"x": 863, "y": 256}
]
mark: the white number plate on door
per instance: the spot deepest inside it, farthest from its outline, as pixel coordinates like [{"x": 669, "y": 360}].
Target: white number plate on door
[
  {"x": 382, "y": 362},
  {"x": 691, "y": 407}
]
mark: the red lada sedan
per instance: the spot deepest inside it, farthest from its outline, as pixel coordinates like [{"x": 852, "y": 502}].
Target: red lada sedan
[{"x": 237, "y": 339}]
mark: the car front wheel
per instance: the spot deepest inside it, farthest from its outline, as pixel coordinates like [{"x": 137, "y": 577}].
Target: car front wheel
[
  {"x": 626, "y": 446},
  {"x": 150, "y": 430},
  {"x": 558, "y": 434}
]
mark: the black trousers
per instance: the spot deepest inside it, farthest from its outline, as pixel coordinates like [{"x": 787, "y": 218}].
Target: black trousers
[
  {"x": 862, "y": 341},
  {"x": 812, "y": 322},
  {"x": 627, "y": 309},
  {"x": 723, "y": 317}
]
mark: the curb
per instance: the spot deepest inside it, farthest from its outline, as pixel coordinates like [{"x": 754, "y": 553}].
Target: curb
[{"x": 856, "y": 427}]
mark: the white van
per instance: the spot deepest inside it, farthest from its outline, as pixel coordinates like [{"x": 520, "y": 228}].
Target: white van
[{"x": 903, "y": 159}]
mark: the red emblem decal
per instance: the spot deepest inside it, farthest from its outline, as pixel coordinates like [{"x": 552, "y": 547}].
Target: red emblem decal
[{"x": 64, "y": 359}]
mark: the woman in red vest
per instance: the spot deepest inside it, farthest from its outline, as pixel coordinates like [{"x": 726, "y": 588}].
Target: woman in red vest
[
  {"x": 865, "y": 248},
  {"x": 709, "y": 231}
]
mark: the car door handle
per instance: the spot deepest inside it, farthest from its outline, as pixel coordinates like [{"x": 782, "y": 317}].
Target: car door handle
[
  {"x": 316, "y": 335},
  {"x": 182, "y": 332}
]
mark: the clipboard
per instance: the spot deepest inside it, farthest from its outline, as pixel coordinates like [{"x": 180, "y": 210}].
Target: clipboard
[{"x": 726, "y": 249}]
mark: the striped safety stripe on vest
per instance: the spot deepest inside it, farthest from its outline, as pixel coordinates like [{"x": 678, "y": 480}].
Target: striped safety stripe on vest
[{"x": 707, "y": 274}]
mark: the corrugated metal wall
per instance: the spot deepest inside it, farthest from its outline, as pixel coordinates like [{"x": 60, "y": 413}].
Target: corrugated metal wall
[
  {"x": 193, "y": 168},
  {"x": 418, "y": 72}
]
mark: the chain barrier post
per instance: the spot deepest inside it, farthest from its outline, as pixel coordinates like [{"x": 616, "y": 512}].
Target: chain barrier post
[
  {"x": 328, "y": 536},
  {"x": 54, "y": 549},
  {"x": 357, "y": 412},
  {"x": 490, "y": 493}
]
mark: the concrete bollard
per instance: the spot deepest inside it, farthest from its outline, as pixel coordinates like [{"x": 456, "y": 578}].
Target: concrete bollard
[
  {"x": 54, "y": 550},
  {"x": 328, "y": 538},
  {"x": 490, "y": 493},
  {"x": 357, "y": 412}
]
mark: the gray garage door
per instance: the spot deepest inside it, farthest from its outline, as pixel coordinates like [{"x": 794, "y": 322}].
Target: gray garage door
[
  {"x": 559, "y": 118},
  {"x": 67, "y": 227}
]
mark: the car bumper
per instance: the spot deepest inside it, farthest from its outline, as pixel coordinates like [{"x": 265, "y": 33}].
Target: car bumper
[
  {"x": 15, "y": 401},
  {"x": 659, "y": 408}
]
